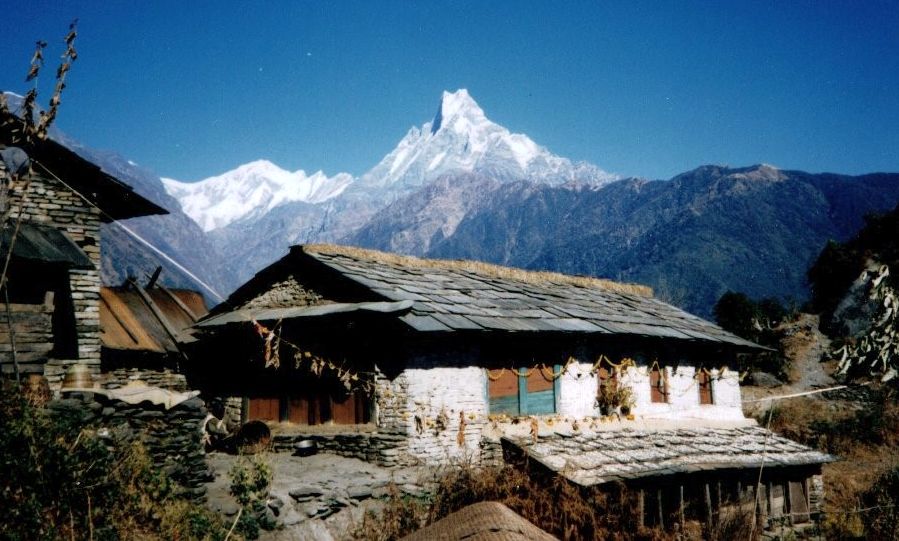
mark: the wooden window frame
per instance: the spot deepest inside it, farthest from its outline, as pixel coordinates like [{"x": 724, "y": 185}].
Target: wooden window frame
[
  {"x": 523, "y": 392},
  {"x": 704, "y": 385},
  {"x": 658, "y": 385}
]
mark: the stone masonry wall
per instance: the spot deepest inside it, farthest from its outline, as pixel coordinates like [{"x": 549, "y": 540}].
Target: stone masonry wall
[
  {"x": 48, "y": 202},
  {"x": 441, "y": 410},
  {"x": 172, "y": 437},
  {"x": 383, "y": 448},
  {"x": 164, "y": 379}
]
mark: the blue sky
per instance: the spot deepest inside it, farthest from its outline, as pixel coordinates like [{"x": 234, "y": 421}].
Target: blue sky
[{"x": 651, "y": 89}]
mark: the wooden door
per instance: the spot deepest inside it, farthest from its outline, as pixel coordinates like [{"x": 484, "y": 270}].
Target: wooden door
[{"x": 264, "y": 409}]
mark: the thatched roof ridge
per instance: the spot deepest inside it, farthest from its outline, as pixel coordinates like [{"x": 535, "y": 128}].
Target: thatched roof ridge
[{"x": 481, "y": 268}]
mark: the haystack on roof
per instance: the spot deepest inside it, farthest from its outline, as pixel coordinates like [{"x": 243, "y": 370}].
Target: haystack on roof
[
  {"x": 468, "y": 296},
  {"x": 484, "y": 521}
]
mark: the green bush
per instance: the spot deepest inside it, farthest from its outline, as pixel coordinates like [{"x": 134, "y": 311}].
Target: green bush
[
  {"x": 251, "y": 478},
  {"x": 59, "y": 480},
  {"x": 881, "y": 504},
  {"x": 755, "y": 321}
]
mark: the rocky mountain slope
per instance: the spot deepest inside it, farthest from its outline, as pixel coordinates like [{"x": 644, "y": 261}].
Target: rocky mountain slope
[
  {"x": 692, "y": 238},
  {"x": 462, "y": 186},
  {"x": 253, "y": 214},
  {"x": 175, "y": 233}
]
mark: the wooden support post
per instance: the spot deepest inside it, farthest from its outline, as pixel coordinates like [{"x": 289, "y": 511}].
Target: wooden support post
[
  {"x": 164, "y": 321},
  {"x": 680, "y": 505},
  {"x": 523, "y": 393},
  {"x": 12, "y": 333},
  {"x": 640, "y": 508},
  {"x": 660, "y": 508},
  {"x": 708, "y": 504}
]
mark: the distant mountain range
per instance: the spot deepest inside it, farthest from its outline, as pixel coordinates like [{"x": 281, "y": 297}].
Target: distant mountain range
[{"x": 461, "y": 186}]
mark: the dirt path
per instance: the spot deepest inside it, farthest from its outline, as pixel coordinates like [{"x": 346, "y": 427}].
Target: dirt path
[{"x": 804, "y": 346}]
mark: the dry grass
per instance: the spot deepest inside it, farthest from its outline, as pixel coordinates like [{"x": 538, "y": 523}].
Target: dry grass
[
  {"x": 484, "y": 269},
  {"x": 550, "y": 503},
  {"x": 866, "y": 440}
]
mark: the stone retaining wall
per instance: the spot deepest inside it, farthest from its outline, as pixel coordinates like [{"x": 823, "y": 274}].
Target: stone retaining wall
[
  {"x": 164, "y": 379},
  {"x": 382, "y": 448},
  {"x": 172, "y": 437}
]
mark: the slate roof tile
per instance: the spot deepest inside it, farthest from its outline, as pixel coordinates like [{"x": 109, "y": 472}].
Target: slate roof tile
[
  {"x": 596, "y": 457},
  {"x": 515, "y": 301}
]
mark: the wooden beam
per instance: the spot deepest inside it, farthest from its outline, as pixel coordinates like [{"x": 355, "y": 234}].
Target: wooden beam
[
  {"x": 159, "y": 316},
  {"x": 194, "y": 317},
  {"x": 708, "y": 504},
  {"x": 680, "y": 505},
  {"x": 661, "y": 509}
]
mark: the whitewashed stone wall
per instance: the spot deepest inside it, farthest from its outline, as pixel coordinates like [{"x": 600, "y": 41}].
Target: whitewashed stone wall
[
  {"x": 683, "y": 394},
  {"x": 577, "y": 391},
  {"x": 426, "y": 400},
  {"x": 429, "y": 403}
]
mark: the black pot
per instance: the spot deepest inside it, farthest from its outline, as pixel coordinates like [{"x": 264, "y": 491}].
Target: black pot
[{"x": 305, "y": 448}]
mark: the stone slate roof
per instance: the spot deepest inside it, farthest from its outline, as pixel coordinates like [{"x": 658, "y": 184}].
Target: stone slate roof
[
  {"x": 117, "y": 199},
  {"x": 468, "y": 296},
  {"x": 594, "y": 457},
  {"x": 44, "y": 243}
]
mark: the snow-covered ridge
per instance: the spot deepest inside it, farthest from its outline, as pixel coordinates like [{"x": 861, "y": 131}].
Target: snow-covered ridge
[
  {"x": 250, "y": 191},
  {"x": 461, "y": 138}
]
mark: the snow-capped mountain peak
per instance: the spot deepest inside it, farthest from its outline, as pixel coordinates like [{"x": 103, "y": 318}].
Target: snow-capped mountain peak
[
  {"x": 460, "y": 109},
  {"x": 461, "y": 138},
  {"x": 251, "y": 190}
]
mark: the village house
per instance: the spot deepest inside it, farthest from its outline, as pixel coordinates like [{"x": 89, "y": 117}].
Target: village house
[
  {"x": 401, "y": 360},
  {"x": 52, "y": 220}
]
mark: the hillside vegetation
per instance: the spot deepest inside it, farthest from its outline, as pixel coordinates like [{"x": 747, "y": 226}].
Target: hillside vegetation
[{"x": 850, "y": 285}]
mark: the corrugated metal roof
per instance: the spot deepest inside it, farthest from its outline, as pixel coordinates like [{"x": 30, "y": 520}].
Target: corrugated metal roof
[
  {"x": 514, "y": 301},
  {"x": 594, "y": 457},
  {"x": 128, "y": 323},
  {"x": 44, "y": 243}
]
